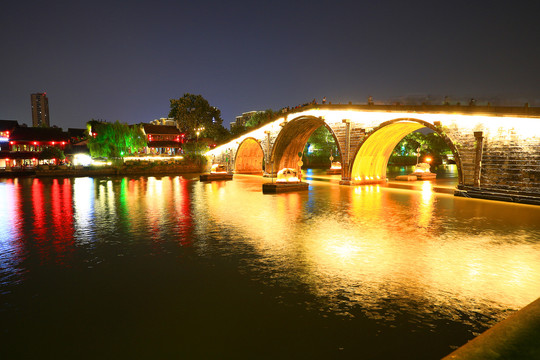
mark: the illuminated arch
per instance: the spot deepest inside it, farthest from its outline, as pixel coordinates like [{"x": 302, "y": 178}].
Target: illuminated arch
[
  {"x": 249, "y": 157},
  {"x": 293, "y": 138},
  {"x": 372, "y": 157}
]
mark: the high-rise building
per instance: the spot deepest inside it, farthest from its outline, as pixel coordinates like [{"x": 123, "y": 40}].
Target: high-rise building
[{"x": 40, "y": 109}]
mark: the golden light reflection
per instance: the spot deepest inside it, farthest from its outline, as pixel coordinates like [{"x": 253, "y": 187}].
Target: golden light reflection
[
  {"x": 392, "y": 245},
  {"x": 346, "y": 250},
  {"x": 372, "y": 159},
  {"x": 268, "y": 221},
  {"x": 425, "y": 206},
  {"x": 158, "y": 192},
  {"x": 368, "y": 241},
  {"x": 83, "y": 203},
  {"x": 474, "y": 266},
  {"x": 154, "y": 187}
]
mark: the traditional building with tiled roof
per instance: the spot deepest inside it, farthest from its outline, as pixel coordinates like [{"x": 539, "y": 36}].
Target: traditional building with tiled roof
[
  {"x": 25, "y": 144},
  {"x": 163, "y": 139}
]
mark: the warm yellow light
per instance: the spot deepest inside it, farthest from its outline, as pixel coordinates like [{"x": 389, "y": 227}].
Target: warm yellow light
[
  {"x": 428, "y": 159},
  {"x": 218, "y": 169},
  {"x": 372, "y": 158},
  {"x": 100, "y": 163},
  {"x": 422, "y": 168},
  {"x": 290, "y": 180},
  {"x": 427, "y": 189},
  {"x": 256, "y": 134},
  {"x": 153, "y": 158},
  {"x": 287, "y": 175}
]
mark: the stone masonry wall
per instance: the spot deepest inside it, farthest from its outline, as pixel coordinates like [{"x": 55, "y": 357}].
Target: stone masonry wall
[{"x": 511, "y": 162}]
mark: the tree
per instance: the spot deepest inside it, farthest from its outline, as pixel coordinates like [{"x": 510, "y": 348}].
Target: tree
[
  {"x": 237, "y": 130},
  {"x": 51, "y": 152},
  {"x": 196, "y": 118},
  {"x": 260, "y": 117},
  {"x": 114, "y": 140},
  {"x": 320, "y": 146},
  {"x": 431, "y": 144}
]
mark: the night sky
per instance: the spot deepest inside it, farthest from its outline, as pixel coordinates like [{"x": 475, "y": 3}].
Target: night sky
[{"x": 124, "y": 60}]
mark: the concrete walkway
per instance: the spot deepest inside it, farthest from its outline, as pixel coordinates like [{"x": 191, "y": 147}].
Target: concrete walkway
[{"x": 517, "y": 337}]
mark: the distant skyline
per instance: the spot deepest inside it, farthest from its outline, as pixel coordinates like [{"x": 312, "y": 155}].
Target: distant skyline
[{"x": 125, "y": 60}]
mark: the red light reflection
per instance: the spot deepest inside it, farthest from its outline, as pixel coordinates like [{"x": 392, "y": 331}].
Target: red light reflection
[
  {"x": 53, "y": 220},
  {"x": 62, "y": 216}
]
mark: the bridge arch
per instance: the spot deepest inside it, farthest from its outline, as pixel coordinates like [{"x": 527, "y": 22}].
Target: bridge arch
[
  {"x": 293, "y": 138},
  {"x": 249, "y": 157},
  {"x": 371, "y": 158}
]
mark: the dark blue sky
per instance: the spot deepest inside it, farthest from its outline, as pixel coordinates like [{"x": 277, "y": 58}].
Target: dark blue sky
[{"x": 124, "y": 60}]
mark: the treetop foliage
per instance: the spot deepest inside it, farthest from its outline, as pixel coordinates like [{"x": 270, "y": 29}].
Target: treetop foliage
[
  {"x": 193, "y": 113},
  {"x": 430, "y": 143},
  {"x": 51, "y": 152},
  {"x": 323, "y": 146},
  {"x": 259, "y": 118}
]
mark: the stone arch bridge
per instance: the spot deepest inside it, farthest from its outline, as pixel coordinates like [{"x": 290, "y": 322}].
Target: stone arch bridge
[{"x": 497, "y": 149}]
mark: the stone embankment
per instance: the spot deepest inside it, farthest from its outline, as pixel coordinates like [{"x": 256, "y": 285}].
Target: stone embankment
[
  {"x": 514, "y": 338},
  {"x": 161, "y": 169}
]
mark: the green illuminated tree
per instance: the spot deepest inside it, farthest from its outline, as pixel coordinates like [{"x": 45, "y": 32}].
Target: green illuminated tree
[
  {"x": 320, "y": 146},
  {"x": 114, "y": 140},
  {"x": 196, "y": 118},
  {"x": 431, "y": 144}
]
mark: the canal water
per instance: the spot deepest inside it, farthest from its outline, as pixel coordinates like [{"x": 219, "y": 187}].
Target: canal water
[{"x": 170, "y": 267}]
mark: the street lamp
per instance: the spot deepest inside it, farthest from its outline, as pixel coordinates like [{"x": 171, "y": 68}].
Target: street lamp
[{"x": 198, "y": 131}]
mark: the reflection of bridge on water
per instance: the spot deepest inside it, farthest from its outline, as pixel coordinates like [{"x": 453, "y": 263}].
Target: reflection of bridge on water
[{"x": 496, "y": 149}]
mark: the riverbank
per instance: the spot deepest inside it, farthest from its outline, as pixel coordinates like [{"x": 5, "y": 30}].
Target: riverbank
[{"x": 144, "y": 169}]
